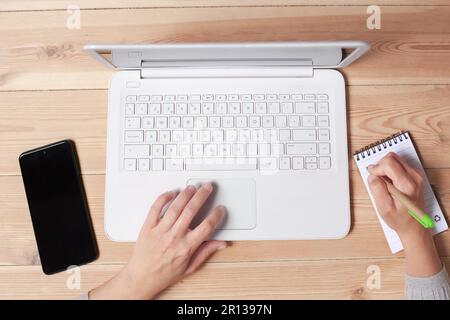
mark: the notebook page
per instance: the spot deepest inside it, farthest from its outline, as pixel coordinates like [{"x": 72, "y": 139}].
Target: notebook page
[{"x": 405, "y": 149}]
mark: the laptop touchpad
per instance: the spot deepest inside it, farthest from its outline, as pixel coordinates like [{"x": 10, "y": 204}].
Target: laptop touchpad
[{"x": 239, "y": 198}]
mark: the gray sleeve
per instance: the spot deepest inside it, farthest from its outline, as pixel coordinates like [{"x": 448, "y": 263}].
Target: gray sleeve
[{"x": 435, "y": 287}]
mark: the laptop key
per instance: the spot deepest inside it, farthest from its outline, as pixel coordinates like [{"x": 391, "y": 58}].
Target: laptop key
[
  {"x": 322, "y": 107},
  {"x": 129, "y": 164},
  {"x": 308, "y": 121},
  {"x": 181, "y": 108},
  {"x": 141, "y": 108},
  {"x": 297, "y": 163},
  {"x": 261, "y": 107},
  {"x": 323, "y": 121},
  {"x": 274, "y": 107},
  {"x": 324, "y": 134},
  {"x": 138, "y": 150},
  {"x": 287, "y": 107},
  {"x": 305, "y": 107},
  {"x": 324, "y": 148},
  {"x": 194, "y": 97},
  {"x": 221, "y": 107},
  {"x": 151, "y": 136},
  {"x": 154, "y": 108},
  {"x": 220, "y": 164},
  {"x": 194, "y": 108},
  {"x": 133, "y": 123},
  {"x": 129, "y": 108},
  {"x": 267, "y": 163},
  {"x": 144, "y": 164},
  {"x": 247, "y": 107},
  {"x": 311, "y": 166},
  {"x": 148, "y": 122},
  {"x": 285, "y": 163},
  {"x": 144, "y": 98},
  {"x": 168, "y": 108},
  {"x": 280, "y": 121},
  {"x": 134, "y": 136},
  {"x": 174, "y": 164},
  {"x": 303, "y": 135},
  {"x": 157, "y": 98},
  {"x": 157, "y": 164},
  {"x": 301, "y": 148},
  {"x": 324, "y": 162}
]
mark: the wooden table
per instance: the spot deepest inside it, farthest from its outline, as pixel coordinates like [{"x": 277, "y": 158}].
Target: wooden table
[{"x": 50, "y": 90}]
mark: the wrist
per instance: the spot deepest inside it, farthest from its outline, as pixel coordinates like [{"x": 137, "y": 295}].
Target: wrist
[
  {"x": 415, "y": 236},
  {"x": 421, "y": 256},
  {"x": 134, "y": 287}
]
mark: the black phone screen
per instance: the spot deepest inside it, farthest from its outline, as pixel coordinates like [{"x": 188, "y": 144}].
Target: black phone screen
[{"x": 58, "y": 206}]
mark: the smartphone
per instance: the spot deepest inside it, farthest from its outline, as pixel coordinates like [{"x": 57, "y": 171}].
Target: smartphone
[{"x": 58, "y": 207}]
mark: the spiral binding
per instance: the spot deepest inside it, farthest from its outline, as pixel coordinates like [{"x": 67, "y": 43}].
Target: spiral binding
[{"x": 380, "y": 145}]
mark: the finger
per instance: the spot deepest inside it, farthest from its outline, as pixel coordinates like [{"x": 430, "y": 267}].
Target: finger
[
  {"x": 206, "y": 250},
  {"x": 177, "y": 206},
  {"x": 383, "y": 199},
  {"x": 193, "y": 206},
  {"x": 389, "y": 166},
  {"x": 156, "y": 208},
  {"x": 415, "y": 173},
  {"x": 206, "y": 228}
]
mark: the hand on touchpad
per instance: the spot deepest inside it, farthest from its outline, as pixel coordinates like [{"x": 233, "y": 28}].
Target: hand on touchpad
[{"x": 239, "y": 198}]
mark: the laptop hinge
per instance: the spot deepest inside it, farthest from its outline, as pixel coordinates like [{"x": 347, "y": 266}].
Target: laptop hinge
[{"x": 240, "y": 72}]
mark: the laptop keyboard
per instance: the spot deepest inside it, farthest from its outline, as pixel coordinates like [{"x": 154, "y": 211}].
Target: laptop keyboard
[{"x": 227, "y": 132}]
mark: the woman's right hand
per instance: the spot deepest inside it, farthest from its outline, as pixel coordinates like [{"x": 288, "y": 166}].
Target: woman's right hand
[
  {"x": 422, "y": 259},
  {"x": 405, "y": 178}
]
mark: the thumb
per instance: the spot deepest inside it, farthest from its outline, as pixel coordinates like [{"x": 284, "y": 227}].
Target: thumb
[
  {"x": 382, "y": 197},
  {"x": 203, "y": 252}
]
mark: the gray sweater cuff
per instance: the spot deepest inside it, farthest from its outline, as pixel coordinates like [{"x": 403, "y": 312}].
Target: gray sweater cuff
[{"x": 435, "y": 287}]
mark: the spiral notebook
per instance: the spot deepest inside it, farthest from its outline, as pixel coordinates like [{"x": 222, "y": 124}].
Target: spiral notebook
[{"x": 401, "y": 144}]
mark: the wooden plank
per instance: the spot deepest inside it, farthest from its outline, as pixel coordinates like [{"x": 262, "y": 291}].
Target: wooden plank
[
  {"x": 31, "y": 119},
  {"x": 37, "y": 118},
  {"x": 27, "y": 5},
  {"x": 43, "y": 54},
  {"x": 339, "y": 279},
  {"x": 17, "y": 244}
]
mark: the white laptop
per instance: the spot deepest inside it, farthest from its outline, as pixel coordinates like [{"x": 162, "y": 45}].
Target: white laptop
[{"x": 265, "y": 122}]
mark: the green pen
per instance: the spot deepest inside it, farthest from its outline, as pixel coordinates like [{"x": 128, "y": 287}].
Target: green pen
[{"x": 417, "y": 213}]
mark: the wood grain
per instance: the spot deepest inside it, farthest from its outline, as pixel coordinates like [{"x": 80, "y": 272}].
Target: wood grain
[
  {"x": 43, "y": 54},
  {"x": 50, "y": 90},
  {"x": 40, "y": 5},
  {"x": 31, "y": 119},
  {"x": 338, "y": 279},
  {"x": 366, "y": 239}
]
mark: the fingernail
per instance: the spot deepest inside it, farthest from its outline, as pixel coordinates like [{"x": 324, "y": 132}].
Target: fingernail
[
  {"x": 371, "y": 178},
  {"x": 190, "y": 188},
  {"x": 208, "y": 186},
  {"x": 222, "y": 211},
  {"x": 223, "y": 246}
]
